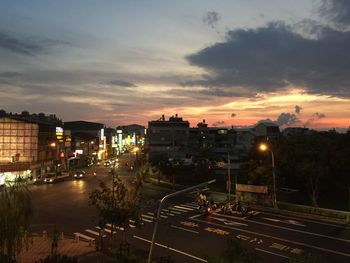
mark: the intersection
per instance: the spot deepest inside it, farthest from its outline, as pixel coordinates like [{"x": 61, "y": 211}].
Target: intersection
[{"x": 184, "y": 233}]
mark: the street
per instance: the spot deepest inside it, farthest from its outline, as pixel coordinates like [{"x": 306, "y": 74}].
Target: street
[{"x": 184, "y": 233}]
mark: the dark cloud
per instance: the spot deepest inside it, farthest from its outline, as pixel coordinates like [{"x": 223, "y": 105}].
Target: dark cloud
[
  {"x": 314, "y": 117},
  {"x": 122, "y": 83},
  {"x": 10, "y": 75},
  {"x": 211, "y": 19},
  {"x": 298, "y": 109},
  {"x": 284, "y": 119},
  {"x": 287, "y": 119},
  {"x": 336, "y": 11},
  {"x": 29, "y": 46},
  {"x": 271, "y": 58},
  {"x": 218, "y": 124}
]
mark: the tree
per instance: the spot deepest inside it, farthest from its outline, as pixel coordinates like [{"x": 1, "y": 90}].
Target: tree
[
  {"x": 15, "y": 218},
  {"x": 116, "y": 205}
]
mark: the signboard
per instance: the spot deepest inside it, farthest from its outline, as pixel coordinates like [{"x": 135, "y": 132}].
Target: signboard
[{"x": 59, "y": 134}]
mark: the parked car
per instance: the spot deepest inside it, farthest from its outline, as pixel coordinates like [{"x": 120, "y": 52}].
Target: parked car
[{"x": 79, "y": 174}]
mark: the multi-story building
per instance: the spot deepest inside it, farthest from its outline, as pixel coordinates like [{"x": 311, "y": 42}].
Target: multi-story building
[
  {"x": 169, "y": 137},
  {"x": 28, "y": 145},
  {"x": 218, "y": 140}
]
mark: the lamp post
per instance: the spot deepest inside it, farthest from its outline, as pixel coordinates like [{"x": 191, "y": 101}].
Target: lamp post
[
  {"x": 161, "y": 202},
  {"x": 228, "y": 177},
  {"x": 264, "y": 147}
]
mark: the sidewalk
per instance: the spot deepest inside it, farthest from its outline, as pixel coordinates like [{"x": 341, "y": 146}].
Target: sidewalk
[{"x": 40, "y": 247}]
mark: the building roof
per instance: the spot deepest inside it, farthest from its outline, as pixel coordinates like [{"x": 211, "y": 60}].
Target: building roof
[{"x": 83, "y": 126}]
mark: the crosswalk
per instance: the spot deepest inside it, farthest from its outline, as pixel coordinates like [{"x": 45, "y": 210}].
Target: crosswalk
[{"x": 147, "y": 217}]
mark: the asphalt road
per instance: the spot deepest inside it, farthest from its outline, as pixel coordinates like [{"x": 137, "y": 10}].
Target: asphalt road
[{"x": 184, "y": 233}]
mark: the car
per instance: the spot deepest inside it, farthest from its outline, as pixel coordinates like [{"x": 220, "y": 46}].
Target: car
[
  {"x": 79, "y": 174},
  {"x": 50, "y": 178},
  {"x": 107, "y": 163}
]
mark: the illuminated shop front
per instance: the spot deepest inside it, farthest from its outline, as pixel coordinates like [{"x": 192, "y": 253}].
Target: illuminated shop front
[{"x": 18, "y": 149}]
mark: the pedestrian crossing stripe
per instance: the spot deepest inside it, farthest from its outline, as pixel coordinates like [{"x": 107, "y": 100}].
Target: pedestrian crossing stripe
[
  {"x": 92, "y": 232},
  {"x": 178, "y": 210},
  {"x": 183, "y": 207},
  {"x": 106, "y": 230},
  {"x": 173, "y": 211},
  {"x": 190, "y": 206},
  {"x": 148, "y": 216},
  {"x": 146, "y": 220},
  {"x": 169, "y": 214},
  {"x": 116, "y": 227}
]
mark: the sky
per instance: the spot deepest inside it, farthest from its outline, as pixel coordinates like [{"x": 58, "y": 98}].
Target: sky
[{"x": 230, "y": 62}]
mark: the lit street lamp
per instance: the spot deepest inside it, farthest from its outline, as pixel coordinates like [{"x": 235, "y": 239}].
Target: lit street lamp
[{"x": 264, "y": 147}]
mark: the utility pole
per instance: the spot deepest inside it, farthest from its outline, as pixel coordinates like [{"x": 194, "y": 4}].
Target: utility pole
[{"x": 229, "y": 177}]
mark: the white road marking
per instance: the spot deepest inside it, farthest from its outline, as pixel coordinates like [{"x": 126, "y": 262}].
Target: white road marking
[
  {"x": 269, "y": 252},
  {"x": 183, "y": 208},
  {"x": 106, "y": 230},
  {"x": 190, "y": 206},
  {"x": 287, "y": 228},
  {"x": 146, "y": 220},
  {"x": 172, "y": 249},
  {"x": 310, "y": 220},
  {"x": 228, "y": 222},
  {"x": 291, "y": 222},
  {"x": 147, "y": 216},
  {"x": 185, "y": 229},
  {"x": 116, "y": 227},
  {"x": 168, "y": 212},
  {"x": 177, "y": 210},
  {"x": 92, "y": 232},
  {"x": 272, "y": 237}
]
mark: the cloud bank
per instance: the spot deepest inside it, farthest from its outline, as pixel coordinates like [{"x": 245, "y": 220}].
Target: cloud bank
[{"x": 271, "y": 58}]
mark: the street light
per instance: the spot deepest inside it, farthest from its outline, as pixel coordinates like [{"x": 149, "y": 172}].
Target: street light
[
  {"x": 161, "y": 202},
  {"x": 264, "y": 147}
]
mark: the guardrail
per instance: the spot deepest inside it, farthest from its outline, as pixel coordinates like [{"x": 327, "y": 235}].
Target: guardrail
[{"x": 323, "y": 212}]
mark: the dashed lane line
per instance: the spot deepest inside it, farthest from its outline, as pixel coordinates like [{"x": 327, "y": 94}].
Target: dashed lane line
[
  {"x": 269, "y": 252},
  {"x": 184, "y": 229},
  {"x": 309, "y": 220}
]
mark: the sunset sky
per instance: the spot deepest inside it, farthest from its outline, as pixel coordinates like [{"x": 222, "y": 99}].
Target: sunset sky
[{"x": 233, "y": 62}]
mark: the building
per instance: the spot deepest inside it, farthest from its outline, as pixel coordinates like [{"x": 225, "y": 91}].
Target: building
[
  {"x": 28, "y": 145},
  {"x": 218, "y": 140},
  {"x": 88, "y": 142},
  {"x": 168, "y": 137}
]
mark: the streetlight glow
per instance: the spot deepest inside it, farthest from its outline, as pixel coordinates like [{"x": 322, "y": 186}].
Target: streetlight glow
[
  {"x": 53, "y": 144},
  {"x": 263, "y": 147}
]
